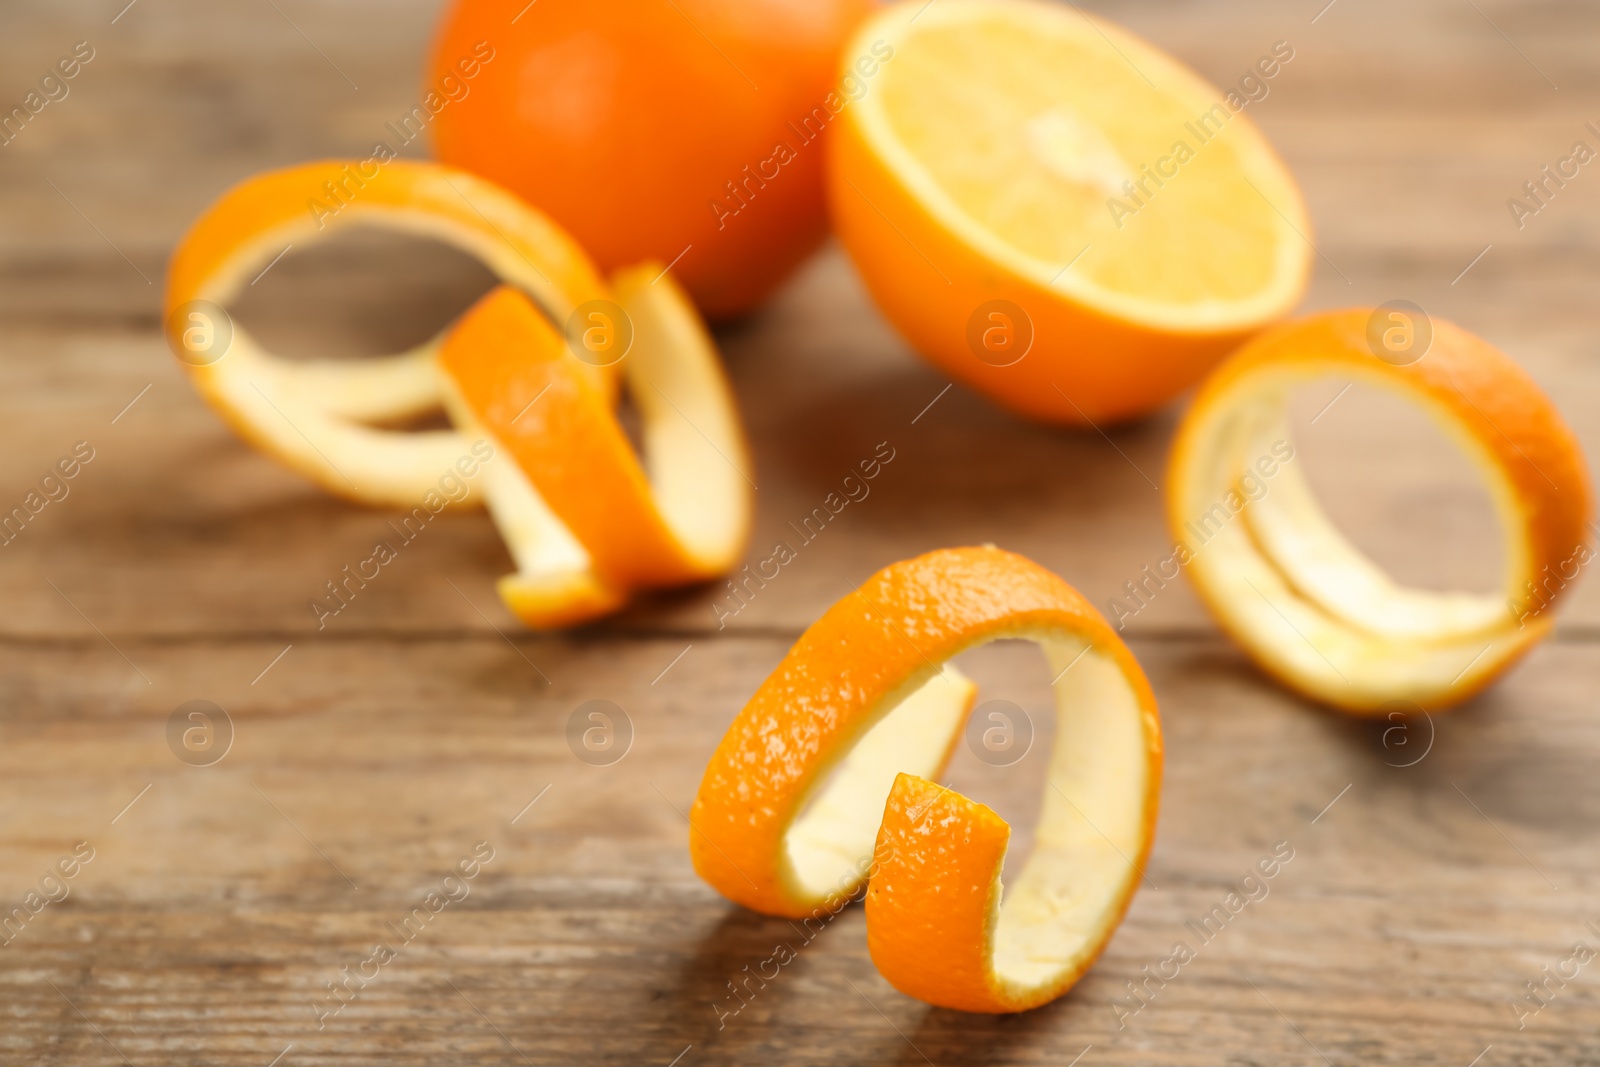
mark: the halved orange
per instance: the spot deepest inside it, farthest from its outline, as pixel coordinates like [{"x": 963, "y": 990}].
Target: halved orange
[
  {"x": 821, "y": 782},
  {"x": 1055, "y": 212},
  {"x": 585, "y": 523},
  {"x": 1307, "y": 605},
  {"x": 323, "y": 418}
]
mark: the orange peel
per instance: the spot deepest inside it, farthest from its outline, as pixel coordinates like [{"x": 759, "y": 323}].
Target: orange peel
[
  {"x": 1308, "y": 606},
  {"x": 585, "y": 523},
  {"x": 324, "y": 418},
  {"x": 823, "y": 779}
]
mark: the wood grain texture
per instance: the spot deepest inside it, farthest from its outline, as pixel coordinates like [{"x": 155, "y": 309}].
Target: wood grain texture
[{"x": 375, "y": 753}]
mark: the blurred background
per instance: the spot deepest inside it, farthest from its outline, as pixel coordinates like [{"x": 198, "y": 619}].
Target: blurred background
[{"x": 1456, "y": 863}]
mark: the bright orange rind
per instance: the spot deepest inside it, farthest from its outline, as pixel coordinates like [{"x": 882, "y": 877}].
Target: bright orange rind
[
  {"x": 324, "y": 418},
  {"x": 1307, "y": 605},
  {"x": 585, "y": 523},
  {"x": 824, "y": 779}
]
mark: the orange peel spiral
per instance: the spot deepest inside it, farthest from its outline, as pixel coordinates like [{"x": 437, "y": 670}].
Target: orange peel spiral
[
  {"x": 824, "y": 779},
  {"x": 586, "y": 523},
  {"x": 1308, "y": 606}
]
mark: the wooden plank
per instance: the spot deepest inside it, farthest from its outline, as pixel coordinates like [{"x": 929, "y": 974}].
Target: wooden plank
[
  {"x": 214, "y": 909},
  {"x": 377, "y": 752}
]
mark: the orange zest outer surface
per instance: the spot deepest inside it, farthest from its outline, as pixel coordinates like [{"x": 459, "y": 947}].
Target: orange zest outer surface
[
  {"x": 323, "y": 407},
  {"x": 682, "y": 131},
  {"x": 929, "y": 907},
  {"x": 520, "y": 244},
  {"x": 1503, "y": 421},
  {"x": 515, "y": 374},
  {"x": 934, "y": 890}
]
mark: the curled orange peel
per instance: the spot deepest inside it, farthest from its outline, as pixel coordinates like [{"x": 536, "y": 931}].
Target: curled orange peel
[
  {"x": 824, "y": 779},
  {"x": 585, "y": 523},
  {"x": 1307, "y": 605},
  {"x": 324, "y": 418}
]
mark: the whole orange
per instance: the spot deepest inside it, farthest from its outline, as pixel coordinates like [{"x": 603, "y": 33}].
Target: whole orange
[{"x": 686, "y": 131}]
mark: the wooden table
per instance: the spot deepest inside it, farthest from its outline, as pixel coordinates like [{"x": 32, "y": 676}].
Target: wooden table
[{"x": 369, "y": 757}]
